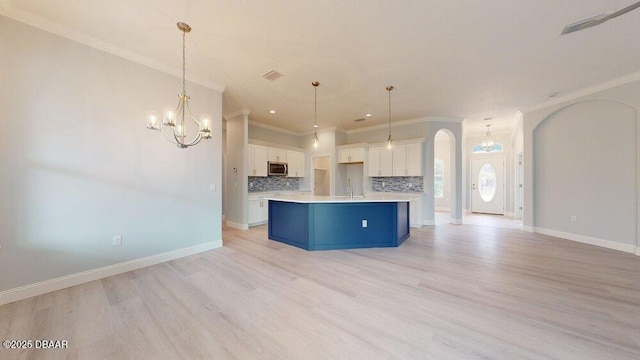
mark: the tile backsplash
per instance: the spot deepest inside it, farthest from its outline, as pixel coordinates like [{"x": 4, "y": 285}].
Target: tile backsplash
[
  {"x": 272, "y": 183},
  {"x": 403, "y": 184}
]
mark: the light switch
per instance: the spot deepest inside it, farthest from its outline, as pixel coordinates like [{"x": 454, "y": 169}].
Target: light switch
[{"x": 364, "y": 223}]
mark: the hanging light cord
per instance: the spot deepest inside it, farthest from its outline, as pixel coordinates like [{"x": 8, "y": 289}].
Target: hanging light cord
[
  {"x": 389, "y": 88},
  {"x": 184, "y": 62}
]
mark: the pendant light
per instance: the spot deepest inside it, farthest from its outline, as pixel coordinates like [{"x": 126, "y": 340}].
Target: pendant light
[
  {"x": 178, "y": 119},
  {"x": 488, "y": 144},
  {"x": 389, "y": 141},
  {"x": 314, "y": 140}
]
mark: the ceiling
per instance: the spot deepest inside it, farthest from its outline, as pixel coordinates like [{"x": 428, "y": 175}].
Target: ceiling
[{"x": 446, "y": 58}]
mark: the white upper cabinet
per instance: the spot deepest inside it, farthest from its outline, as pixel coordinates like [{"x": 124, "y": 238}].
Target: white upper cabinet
[
  {"x": 380, "y": 161},
  {"x": 414, "y": 159},
  {"x": 403, "y": 160},
  {"x": 296, "y": 161},
  {"x": 277, "y": 155},
  {"x": 352, "y": 155},
  {"x": 407, "y": 159},
  {"x": 256, "y": 160}
]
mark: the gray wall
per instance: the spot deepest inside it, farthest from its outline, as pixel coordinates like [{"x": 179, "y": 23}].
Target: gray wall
[
  {"x": 235, "y": 171},
  {"x": 78, "y": 165},
  {"x": 581, "y": 159}
]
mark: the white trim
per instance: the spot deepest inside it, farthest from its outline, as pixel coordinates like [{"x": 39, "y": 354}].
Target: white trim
[
  {"x": 274, "y": 128},
  {"x": 237, "y": 225},
  {"x": 442, "y": 209},
  {"x": 236, "y": 114},
  {"x": 403, "y": 123},
  {"x": 630, "y": 248},
  {"x": 637, "y": 250},
  {"x": 455, "y": 221},
  {"x": 274, "y": 145},
  {"x": 429, "y": 222},
  {"x": 43, "y": 287},
  {"x": 510, "y": 214},
  {"x": 586, "y": 91},
  {"x": 528, "y": 228},
  {"x": 93, "y": 42}
]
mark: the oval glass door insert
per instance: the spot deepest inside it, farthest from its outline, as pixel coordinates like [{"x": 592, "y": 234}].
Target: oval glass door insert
[{"x": 487, "y": 182}]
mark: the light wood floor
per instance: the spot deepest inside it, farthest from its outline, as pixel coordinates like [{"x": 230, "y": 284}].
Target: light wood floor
[{"x": 450, "y": 292}]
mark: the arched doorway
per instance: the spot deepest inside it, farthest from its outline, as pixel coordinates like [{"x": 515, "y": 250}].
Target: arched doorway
[{"x": 444, "y": 177}]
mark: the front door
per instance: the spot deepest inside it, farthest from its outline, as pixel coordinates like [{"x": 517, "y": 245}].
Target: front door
[{"x": 487, "y": 185}]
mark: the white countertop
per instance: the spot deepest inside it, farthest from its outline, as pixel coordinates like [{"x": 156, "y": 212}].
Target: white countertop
[{"x": 339, "y": 199}]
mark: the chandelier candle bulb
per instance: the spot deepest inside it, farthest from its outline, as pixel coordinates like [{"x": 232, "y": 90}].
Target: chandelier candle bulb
[
  {"x": 152, "y": 122},
  {"x": 169, "y": 117}
]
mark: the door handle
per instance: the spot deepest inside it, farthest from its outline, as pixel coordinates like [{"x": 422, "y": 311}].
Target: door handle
[{"x": 473, "y": 187}]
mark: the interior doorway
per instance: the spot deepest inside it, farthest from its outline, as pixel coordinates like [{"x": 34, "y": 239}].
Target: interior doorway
[{"x": 322, "y": 176}]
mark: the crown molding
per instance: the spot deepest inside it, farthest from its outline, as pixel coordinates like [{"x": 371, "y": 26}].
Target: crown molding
[
  {"x": 8, "y": 10},
  {"x": 237, "y": 113},
  {"x": 274, "y": 128},
  {"x": 586, "y": 91},
  {"x": 404, "y": 123}
]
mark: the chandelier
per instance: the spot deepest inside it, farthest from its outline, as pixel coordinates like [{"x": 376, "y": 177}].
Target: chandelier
[
  {"x": 389, "y": 144},
  {"x": 179, "y": 123},
  {"x": 488, "y": 144},
  {"x": 315, "y": 140}
]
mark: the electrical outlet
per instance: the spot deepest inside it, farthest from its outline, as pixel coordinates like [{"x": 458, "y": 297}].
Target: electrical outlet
[
  {"x": 117, "y": 240},
  {"x": 574, "y": 218},
  {"x": 251, "y": 185},
  {"x": 364, "y": 223},
  {"x": 212, "y": 187},
  {"x": 410, "y": 185},
  {"x": 383, "y": 184}
]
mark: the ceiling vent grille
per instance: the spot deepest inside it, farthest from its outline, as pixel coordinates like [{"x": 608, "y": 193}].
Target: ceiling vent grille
[{"x": 272, "y": 75}]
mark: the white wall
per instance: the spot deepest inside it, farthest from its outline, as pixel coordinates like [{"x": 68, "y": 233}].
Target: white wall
[
  {"x": 442, "y": 151},
  {"x": 581, "y": 159},
  {"x": 78, "y": 165}
]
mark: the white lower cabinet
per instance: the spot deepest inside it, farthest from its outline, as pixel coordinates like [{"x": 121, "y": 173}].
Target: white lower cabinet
[
  {"x": 415, "y": 212},
  {"x": 258, "y": 209}
]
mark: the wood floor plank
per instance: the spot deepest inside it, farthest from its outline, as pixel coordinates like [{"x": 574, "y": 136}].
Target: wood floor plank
[{"x": 449, "y": 292}]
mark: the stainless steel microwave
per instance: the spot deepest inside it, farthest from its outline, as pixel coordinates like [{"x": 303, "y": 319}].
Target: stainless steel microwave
[{"x": 278, "y": 168}]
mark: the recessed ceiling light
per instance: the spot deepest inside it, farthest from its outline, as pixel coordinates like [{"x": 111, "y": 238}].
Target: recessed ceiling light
[
  {"x": 358, "y": 120},
  {"x": 315, "y": 125},
  {"x": 272, "y": 111},
  {"x": 368, "y": 115}
]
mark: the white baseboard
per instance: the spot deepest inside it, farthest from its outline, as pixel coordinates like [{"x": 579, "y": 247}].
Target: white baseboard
[
  {"x": 39, "y": 288},
  {"x": 416, "y": 226},
  {"x": 510, "y": 214},
  {"x": 528, "y": 228},
  {"x": 429, "y": 222},
  {"x": 237, "y": 225},
  {"x": 442, "y": 209},
  {"x": 588, "y": 240},
  {"x": 638, "y": 250},
  {"x": 455, "y": 221}
]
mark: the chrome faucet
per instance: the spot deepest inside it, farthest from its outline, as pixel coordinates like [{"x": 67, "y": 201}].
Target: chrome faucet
[{"x": 350, "y": 188}]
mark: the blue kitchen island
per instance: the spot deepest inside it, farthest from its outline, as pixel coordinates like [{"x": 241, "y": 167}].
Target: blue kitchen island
[{"x": 331, "y": 222}]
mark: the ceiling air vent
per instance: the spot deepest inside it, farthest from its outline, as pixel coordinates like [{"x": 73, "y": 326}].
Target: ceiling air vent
[
  {"x": 358, "y": 120},
  {"x": 272, "y": 75}
]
